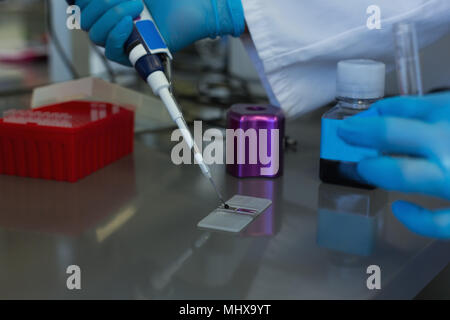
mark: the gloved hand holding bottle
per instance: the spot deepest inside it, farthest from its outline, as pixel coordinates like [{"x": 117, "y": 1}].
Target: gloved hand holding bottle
[
  {"x": 181, "y": 23},
  {"x": 415, "y": 131}
]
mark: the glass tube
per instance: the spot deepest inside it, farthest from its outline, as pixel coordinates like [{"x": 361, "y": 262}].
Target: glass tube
[{"x": 408, "y": 60}]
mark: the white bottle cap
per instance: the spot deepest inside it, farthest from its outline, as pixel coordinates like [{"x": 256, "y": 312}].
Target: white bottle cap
[{"x": 361, "y": 79}]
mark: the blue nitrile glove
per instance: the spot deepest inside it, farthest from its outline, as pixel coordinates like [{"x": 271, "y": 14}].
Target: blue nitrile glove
[
  {"x": 181, "y": 23},
  {"x": 110, "y": 23},
  {"x": 417, "y": 128}
]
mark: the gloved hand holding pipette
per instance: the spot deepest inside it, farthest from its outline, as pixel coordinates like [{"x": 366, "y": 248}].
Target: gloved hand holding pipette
[
  {"x": 110, "y": 22},
  {"x": 417, "y": 131}
]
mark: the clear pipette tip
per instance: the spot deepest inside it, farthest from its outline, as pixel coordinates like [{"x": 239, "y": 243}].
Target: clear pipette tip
[
  {"x": 197, "y": 153},
  {"x": 218, "y": 193}
]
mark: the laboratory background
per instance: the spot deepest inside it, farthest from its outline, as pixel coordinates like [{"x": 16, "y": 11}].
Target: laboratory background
[{"x": 92, "y": 205}]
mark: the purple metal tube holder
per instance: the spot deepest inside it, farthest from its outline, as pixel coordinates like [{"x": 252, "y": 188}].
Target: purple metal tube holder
[{"x": 260, "y": 118}]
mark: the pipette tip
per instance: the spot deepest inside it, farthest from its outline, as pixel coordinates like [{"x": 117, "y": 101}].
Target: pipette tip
[{"x": 219, "y": 195}]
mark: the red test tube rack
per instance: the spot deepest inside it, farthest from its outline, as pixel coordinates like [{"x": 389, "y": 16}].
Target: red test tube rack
[{"x": 66, "y": 141}]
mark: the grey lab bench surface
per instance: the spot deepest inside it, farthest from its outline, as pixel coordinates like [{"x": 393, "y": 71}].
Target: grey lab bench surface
[{"x": 132, "y": 229}]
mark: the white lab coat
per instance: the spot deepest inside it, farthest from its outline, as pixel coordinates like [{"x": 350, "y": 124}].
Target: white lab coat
[{"x": 299, "y": 42}]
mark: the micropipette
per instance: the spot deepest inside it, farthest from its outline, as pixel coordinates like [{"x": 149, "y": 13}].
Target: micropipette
[{"x": 151, "y": 58}]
